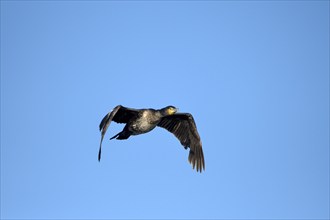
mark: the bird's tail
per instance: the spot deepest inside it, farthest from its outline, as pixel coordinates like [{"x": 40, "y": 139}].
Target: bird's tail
[
  {"x": 115, "y": 136},
  {"x": 122, "y": 135}
]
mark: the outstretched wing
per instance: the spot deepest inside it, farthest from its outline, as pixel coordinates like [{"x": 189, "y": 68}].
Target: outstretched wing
[
  {"x": 183, "y": 126},
  {"x": 119, "y": 114}
]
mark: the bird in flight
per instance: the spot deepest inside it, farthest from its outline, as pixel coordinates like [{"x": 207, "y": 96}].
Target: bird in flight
[{"x": 140, "y": 121}]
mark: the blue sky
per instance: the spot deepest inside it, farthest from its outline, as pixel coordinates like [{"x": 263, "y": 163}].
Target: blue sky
[{"x": 254, "y": 74}]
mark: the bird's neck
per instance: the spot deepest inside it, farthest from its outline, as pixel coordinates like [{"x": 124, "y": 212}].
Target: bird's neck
[{"x": 162, "y": 112}]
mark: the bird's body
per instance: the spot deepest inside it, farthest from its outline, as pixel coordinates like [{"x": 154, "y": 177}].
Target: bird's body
[
  {"x": 146, "y": 121},
  {"x": 140, "y": 121}
]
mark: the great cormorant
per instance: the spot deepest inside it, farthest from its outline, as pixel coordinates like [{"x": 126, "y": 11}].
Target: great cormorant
[{"x": 140, "y": 121}]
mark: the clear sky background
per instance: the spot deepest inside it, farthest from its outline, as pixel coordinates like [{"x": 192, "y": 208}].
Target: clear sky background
[{"x": 254, "y": 74}]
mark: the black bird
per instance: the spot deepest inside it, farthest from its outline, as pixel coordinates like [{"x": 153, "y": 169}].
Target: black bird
[{"x": 140, "y": 121}]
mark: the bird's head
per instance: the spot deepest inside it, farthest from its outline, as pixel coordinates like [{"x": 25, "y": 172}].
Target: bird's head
[{"x": 170, "y": 110}]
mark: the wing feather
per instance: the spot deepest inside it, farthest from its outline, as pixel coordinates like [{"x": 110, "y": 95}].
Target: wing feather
[
  {"x": 184, "y": 128},
  {"x": 119, "y": 114}
]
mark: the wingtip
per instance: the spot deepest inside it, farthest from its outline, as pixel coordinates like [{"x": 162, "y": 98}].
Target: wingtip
[
  {"x": 197, "y": 163},
  {"x": 99, "y": 155}
]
